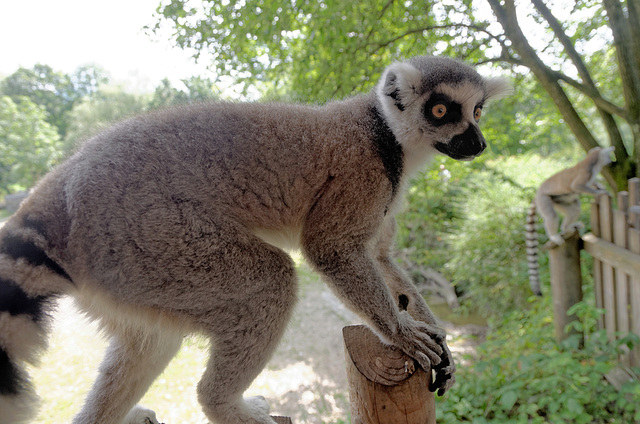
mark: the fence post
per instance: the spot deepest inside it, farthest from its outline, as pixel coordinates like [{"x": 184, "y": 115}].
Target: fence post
[
  {"x": 566, "y": 281},
  {"x": 597, "y": 264},
  {"x": 634, "y": 246},
  {"x": 385, "y": 385},
  {"x": 608, "y": 286}
]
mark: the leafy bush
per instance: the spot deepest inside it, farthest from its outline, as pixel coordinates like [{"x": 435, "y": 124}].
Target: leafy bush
[
  {"x": 433, "y": 213},
  {"x": 466, "y": 220},
  {"x": 487, "y": 255},
  {"x": 522, "y": 376}
]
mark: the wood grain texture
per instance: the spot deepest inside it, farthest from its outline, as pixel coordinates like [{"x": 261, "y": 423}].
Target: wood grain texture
[
  {"x": 566, "y": 282},
  {"x": 385, "y": 385}
]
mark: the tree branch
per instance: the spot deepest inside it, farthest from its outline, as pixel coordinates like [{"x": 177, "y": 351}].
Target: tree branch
[
  {"x": 594, "y": 95},
  {"x": 379, "y": 46},
  {"x": 506, "y": 15},
  {"x": 634, "y": 26},
  {"x": 565, "y": 41},
  {"x": 628, "y": 66},
  {"x": 590, "y": 87},
  {"x": 380, "y": 16}
]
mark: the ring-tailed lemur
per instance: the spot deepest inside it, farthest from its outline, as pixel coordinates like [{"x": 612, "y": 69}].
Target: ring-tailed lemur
[
  {"x": 173, "y": 222},
  {"x": 561, "y": 193}
]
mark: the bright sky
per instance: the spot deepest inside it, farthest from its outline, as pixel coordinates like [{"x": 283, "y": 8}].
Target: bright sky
[{"x": 66, "y": 34}]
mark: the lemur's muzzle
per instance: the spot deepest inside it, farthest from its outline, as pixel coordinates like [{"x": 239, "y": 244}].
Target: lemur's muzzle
[{"x": 465, "y": 146}]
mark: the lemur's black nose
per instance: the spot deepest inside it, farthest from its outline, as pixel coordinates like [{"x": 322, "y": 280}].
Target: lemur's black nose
[{"x": 465, "y": 146}]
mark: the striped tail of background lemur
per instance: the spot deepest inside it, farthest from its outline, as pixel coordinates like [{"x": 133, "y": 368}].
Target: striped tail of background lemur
[
  {"x": 560, "y": 193},
  {"x": 176, "y": 222}
]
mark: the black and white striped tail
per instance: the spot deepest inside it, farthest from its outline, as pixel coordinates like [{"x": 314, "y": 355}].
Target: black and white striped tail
[
  {"x": 531, "y": 239},
  {"x": 30, "y": 282}
]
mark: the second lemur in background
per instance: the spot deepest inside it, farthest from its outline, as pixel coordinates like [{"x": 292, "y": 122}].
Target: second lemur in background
[{"x": 561, "y": 193}]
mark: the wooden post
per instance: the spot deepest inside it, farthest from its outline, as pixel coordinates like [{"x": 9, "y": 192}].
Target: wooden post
[
  {"x": 634, "y": 191},
  {"x": 566, "y": 281},
  {"x": 385, "y": 385},
  {"x": 620, "y": 233},
  {"x": 608, "y": 286},
  {"x": 597, "y": 264},
  {"x": 282, "y": 420},
  {"x": 634, "y": 246}
]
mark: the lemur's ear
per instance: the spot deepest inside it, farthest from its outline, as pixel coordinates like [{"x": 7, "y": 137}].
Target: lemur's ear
[
  {"x": 399, "y": 84},
  {"x": 497, "y": 88}
]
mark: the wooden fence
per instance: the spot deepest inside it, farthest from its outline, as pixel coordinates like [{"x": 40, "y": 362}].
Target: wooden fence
[{"x": 614, "y": 244}]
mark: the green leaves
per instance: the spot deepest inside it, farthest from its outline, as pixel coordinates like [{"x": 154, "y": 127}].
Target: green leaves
[
  {"x": 29, "y": 146},
  {"x": 318, "y": 50},
  {"x": 40, "y": 106},
  {"x": 508, "y": 399},
  {"x": 55, "y": 91},
  {"x": 197, "y": 89},
  {"x": 466, "y": 220},
  {"x": 521, "y": 375}
]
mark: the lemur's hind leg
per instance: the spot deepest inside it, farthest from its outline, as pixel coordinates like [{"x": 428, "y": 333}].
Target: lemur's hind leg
[
  {"x": 550, "y": 219},
  {"x": 249, "y": 314},
  {"x": 571, "y": 212},
  {"x": 132, "y": 362}
]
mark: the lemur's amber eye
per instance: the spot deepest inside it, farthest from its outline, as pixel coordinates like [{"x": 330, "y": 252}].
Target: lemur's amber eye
[
  {"x": 477, "y": 114},
  {"x": 439, "y": 110}
]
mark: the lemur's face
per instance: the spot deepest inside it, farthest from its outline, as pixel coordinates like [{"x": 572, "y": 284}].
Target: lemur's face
[
  {"x": 437, "y": 103},
  {"x": 452, "y": 114}
]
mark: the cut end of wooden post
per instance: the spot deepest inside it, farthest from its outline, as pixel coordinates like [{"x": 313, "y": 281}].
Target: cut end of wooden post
[
  {"x": 565, "y": 236},
  {"x": 385, "y": 385},
  {"x": 380, "y": 363}
]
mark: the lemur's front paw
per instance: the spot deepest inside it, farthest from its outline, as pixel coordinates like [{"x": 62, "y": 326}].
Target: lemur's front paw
[
  {"x": 444, "y": 372},
  {"x": 428, "y": 346},
  {"x": 419, "y": 340}
]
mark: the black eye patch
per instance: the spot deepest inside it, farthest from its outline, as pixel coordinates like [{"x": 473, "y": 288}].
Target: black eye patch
[{"x": 453, "y": 112}]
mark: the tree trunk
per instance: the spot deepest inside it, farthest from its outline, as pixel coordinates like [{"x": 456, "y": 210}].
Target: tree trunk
[{"x": 625, "y": 166}]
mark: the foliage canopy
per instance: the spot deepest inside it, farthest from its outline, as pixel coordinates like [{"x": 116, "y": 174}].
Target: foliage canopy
[
  {"x": 39, "y": 107},
  {"x": 29, "y": 145},
  {"x": 57, "y": 92}
]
